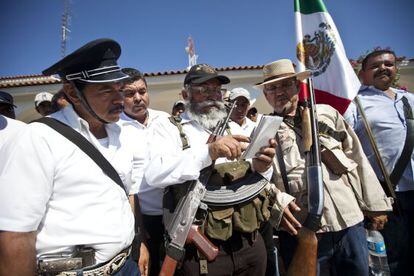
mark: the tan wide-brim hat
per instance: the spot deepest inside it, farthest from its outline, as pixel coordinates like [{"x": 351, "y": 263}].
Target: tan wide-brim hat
[{"x": 280, "y": 70}]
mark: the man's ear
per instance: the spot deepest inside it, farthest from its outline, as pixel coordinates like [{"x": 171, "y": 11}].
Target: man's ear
[
  {"x": 361, "y": 75},
  {"x": 70, "y": 93},
  {"x": 185, "y": 95}
]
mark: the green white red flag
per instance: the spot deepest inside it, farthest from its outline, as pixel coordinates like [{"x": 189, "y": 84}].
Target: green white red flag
[{"x": 319, "y": 49}]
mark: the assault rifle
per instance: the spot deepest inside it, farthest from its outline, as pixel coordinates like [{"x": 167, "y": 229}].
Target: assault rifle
[
  {"x": 182, "y": 228},
  {"x": 304, "y": 261}
]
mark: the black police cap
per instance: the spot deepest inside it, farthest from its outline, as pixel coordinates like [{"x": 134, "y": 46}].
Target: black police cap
[
  {"x": 201, "y": 73},
  {"x": 6, "y": 98},
  {"x": 95, "y": 62}
]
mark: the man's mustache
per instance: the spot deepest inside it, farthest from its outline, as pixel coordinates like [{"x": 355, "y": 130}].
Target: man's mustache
[
  {"x": 382, "y": 73},
  {"x": 209, "y": 103},
  {"x": 116, "y": 108}
]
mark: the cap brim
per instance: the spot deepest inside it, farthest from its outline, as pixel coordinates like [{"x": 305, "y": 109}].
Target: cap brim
[
  {"x": 6, "y": 102},
  {"x": 300, "y": 76},
  {"x": 221, "y": 78},
  {"x": 106, "y": 78}
]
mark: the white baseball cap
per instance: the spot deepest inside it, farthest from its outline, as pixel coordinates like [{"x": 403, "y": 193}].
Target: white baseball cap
[
  {"x": 43, "y": 97},
  {"x": 239, "y": 92}
]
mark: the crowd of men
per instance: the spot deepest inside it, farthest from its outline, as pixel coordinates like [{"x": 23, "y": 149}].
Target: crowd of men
[{"x": 93, "y": 187}]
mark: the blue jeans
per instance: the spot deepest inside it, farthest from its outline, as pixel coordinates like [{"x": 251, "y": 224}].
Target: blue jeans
[
  {"x": 339, "y": 253},
  {"x": 130, "y": 268}
]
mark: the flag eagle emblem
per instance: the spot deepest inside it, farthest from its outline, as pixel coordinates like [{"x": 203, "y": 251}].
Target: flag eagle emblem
[{"x": 316, "y": 52}]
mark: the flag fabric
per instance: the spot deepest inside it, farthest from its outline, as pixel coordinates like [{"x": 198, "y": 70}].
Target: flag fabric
[
  {"x": 319, "y": 49},
  {"x": 192, "y": 57}
]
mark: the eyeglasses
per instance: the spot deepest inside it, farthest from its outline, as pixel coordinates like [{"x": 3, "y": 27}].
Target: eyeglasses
[
  {"x": 208, "y": 91},
  {"x": 284, "y": 85}
]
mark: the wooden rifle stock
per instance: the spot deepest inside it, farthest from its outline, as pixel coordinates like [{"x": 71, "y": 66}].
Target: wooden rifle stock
[
  {"x": 304, "y": 262},
  {"x": 306, "y": 129},
  {"x": 168, "y": 266}
]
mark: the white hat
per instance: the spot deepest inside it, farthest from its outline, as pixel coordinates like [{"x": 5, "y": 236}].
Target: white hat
[
  {"x": 43, "y": 97},
  {"x": 280, "y": 70},
  {"x": 239, "y": 92}
]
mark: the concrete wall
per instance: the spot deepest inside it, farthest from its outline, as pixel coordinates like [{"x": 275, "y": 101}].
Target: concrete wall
[{"x": 165, "y": 90}]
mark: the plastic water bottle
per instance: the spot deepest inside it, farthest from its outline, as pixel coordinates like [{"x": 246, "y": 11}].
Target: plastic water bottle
[{"x": 377, "y": 254}]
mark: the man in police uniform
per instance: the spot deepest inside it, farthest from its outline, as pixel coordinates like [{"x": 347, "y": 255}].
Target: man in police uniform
[
  {"x": 58, "y": 210},
  {"x": 180, "y": 151},
  {"x": 350, "y": 187}
]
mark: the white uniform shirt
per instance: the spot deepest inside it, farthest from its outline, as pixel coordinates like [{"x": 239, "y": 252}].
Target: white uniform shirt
[
  {"x": 246, "y": 129},
  {"x": 169, "y": 164},
  {"x": 50, "y": 186},
  {"x": 153, "y": 115},
  {"x": 137, "y": 134},
  {"x": 9, "y": 129}
]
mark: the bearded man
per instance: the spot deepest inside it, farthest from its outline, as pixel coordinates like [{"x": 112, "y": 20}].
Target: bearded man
[{"x": 179, "y": 151}]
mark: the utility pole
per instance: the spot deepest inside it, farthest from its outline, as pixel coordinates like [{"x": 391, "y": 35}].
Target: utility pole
[{"x": 65, "y": 27}]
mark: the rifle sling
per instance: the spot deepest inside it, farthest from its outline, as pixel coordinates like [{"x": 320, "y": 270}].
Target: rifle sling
[
  {"x": 83, "y": 144},
  {"x": 407, "y": 151}
]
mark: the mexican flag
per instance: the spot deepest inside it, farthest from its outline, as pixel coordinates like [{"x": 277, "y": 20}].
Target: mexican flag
[{"x": 319, "y": 48}]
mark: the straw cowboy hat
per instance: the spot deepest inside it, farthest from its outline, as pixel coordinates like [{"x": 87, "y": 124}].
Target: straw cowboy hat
[{"x": 280, "y": 70}]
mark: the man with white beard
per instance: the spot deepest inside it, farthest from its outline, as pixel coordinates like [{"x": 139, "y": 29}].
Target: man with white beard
[{"x": 179, "y": 150}]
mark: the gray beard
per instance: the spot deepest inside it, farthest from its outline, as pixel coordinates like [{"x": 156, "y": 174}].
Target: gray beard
[{"x": 207, "y": 120}]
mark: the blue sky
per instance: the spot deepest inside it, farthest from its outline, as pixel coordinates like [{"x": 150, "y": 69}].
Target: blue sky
[{"x": 153, "y": 33}]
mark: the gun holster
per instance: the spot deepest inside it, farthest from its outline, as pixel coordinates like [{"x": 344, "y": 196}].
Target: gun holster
[{"x": 51, "y": 264}]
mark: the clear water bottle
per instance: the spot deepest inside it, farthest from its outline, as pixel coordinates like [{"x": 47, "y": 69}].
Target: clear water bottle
[{"x": 378, "y": 263}]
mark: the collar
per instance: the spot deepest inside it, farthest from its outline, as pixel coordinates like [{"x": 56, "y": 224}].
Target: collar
[
  {"x": 185, "y": 118},
  {"x": 399, "y": 93},
  {"x": 69, "y": 116}
]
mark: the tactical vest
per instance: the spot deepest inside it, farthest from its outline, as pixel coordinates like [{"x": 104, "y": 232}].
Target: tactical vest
[{"x": 245, "y": 216}]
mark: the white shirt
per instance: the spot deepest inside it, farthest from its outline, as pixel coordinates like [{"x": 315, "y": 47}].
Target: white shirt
[
  {"x": 246, "y": 129},
  {"x": 50, "y": 186},
  {"x": 169, "y": 164},
  {"x": 9, "y": 128},
  {"x": 136, "y": 134},
  {"x": 153, "y": 115}
]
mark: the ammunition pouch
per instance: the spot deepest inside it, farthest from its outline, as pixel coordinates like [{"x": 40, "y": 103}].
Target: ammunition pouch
[{"x": 236, "y": 200}]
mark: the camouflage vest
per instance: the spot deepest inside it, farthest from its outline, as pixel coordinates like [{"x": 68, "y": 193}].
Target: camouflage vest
[{"x": 221, "y": 221}]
